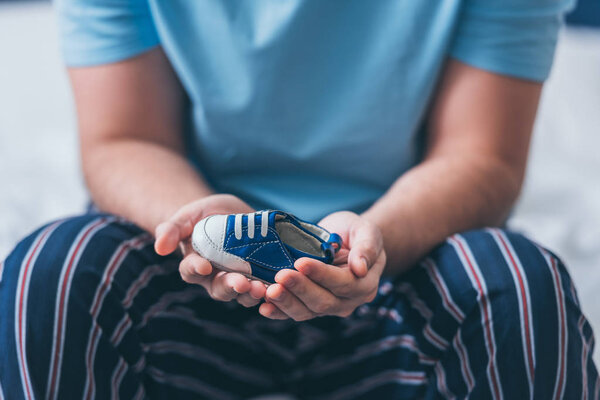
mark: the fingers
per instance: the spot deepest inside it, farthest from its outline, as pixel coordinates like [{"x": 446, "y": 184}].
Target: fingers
[
  {"x": 196, "y": 270},
  {"x": 257, "y": 289},
  {"x": 271, "y": 311},
  {"x": 179, "y": 227},
  {"x": 254, "y": 295},
  {"x": 361, "y": 237},
  {"x": 314, "y": 297},
  {"x": 226, "y": 286},
  {"x": 338, "y": 280},
  {"x": 168, "y": 234},
  {"x": 341, "y": 257},
  {"x": 365, "y": 245},
  {"x": 341, "y": 281},
  {"x": 221, "y": 286},
  {"x": 358, "y": 264},
  {"x": 246, "y": 300},
  {"x": 369, "y": 284},
  {"x": 193, "y": 264},
  {"x": 289, "y": 304}
]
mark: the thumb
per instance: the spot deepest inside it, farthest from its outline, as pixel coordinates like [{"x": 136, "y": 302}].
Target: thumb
[
  {"x": 365, "y": 246},
  {"x": 179, "y": 227},
  {"x": 169, "y": 234}
]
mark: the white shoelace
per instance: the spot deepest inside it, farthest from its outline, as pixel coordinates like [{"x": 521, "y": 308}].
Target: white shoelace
[{"x": 264, "y": 226}]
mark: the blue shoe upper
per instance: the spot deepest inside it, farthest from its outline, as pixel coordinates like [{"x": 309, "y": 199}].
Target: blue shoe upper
[{"x": 268, "y": 254}]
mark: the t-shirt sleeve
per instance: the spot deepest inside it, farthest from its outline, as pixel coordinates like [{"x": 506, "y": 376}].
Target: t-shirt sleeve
[
  {"x": 509, "y": 37},
  {"x": 96, "y": 32}
]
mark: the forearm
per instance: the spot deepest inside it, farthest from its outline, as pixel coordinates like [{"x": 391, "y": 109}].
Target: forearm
[
  {"x": 140, "y": 180},
  {"x": 439, "y": 197}
]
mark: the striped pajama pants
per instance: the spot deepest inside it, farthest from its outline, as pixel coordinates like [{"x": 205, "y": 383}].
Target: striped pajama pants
[{"x": 89, "y": 310}]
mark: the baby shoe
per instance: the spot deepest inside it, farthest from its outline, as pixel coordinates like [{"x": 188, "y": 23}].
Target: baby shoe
[{"x": 260, "y": 244}]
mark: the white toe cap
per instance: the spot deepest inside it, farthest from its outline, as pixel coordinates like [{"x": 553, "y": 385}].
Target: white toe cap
[
  {"x": 209, "y": 234},
  {"x": 207, "y": 240}
]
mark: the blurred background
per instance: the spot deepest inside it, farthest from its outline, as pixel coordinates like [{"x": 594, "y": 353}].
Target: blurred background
[{"x": 559, "y": 208}]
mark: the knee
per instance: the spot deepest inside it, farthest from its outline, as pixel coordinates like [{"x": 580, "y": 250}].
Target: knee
[
  {"x": 55, "y": 272},
  {"x": 518, "y": 302},
  {"x": 500, "y": 268},
  {"x": 61, "y": 247}
]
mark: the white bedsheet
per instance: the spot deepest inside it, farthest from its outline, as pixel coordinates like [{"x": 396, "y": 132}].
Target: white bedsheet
[{"x": 39, "y": 177}]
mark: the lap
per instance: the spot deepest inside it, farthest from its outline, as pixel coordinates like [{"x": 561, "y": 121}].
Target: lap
[
  {"x": 118, "y": 318},
  {"x": 448, "y": 327},
  {"x": 470, "y": 319}
]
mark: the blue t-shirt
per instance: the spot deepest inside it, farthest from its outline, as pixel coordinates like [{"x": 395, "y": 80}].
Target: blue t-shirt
[{"x": 312, "y": 106}]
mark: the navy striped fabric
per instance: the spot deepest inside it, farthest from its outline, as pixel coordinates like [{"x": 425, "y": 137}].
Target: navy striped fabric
[{"x": 88, "y": 310}]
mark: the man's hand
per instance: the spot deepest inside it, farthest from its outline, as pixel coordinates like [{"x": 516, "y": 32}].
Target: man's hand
[
  {"x": 177, "y": 231},
  {"x": 318, "y": 289}
]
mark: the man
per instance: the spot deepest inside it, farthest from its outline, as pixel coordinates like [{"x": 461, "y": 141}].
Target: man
[{"x": 396, "y": 124}]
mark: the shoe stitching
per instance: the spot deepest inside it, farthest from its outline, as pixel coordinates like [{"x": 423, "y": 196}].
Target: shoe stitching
[
  {"x": 264, "y": 264},
  {"x": 249, "y": 256},
  {"x": 223, "y": 231},
  {"x": 210, "y": 242},
  {"x": 250, "y": 244},
  {"x": 283, "y": 250},
  {"x": 214, "y": 245},
  {"x": 232, "y": 233},
  {"x": 257, "y": 249},
  {"x": 290, "y": 261}
]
